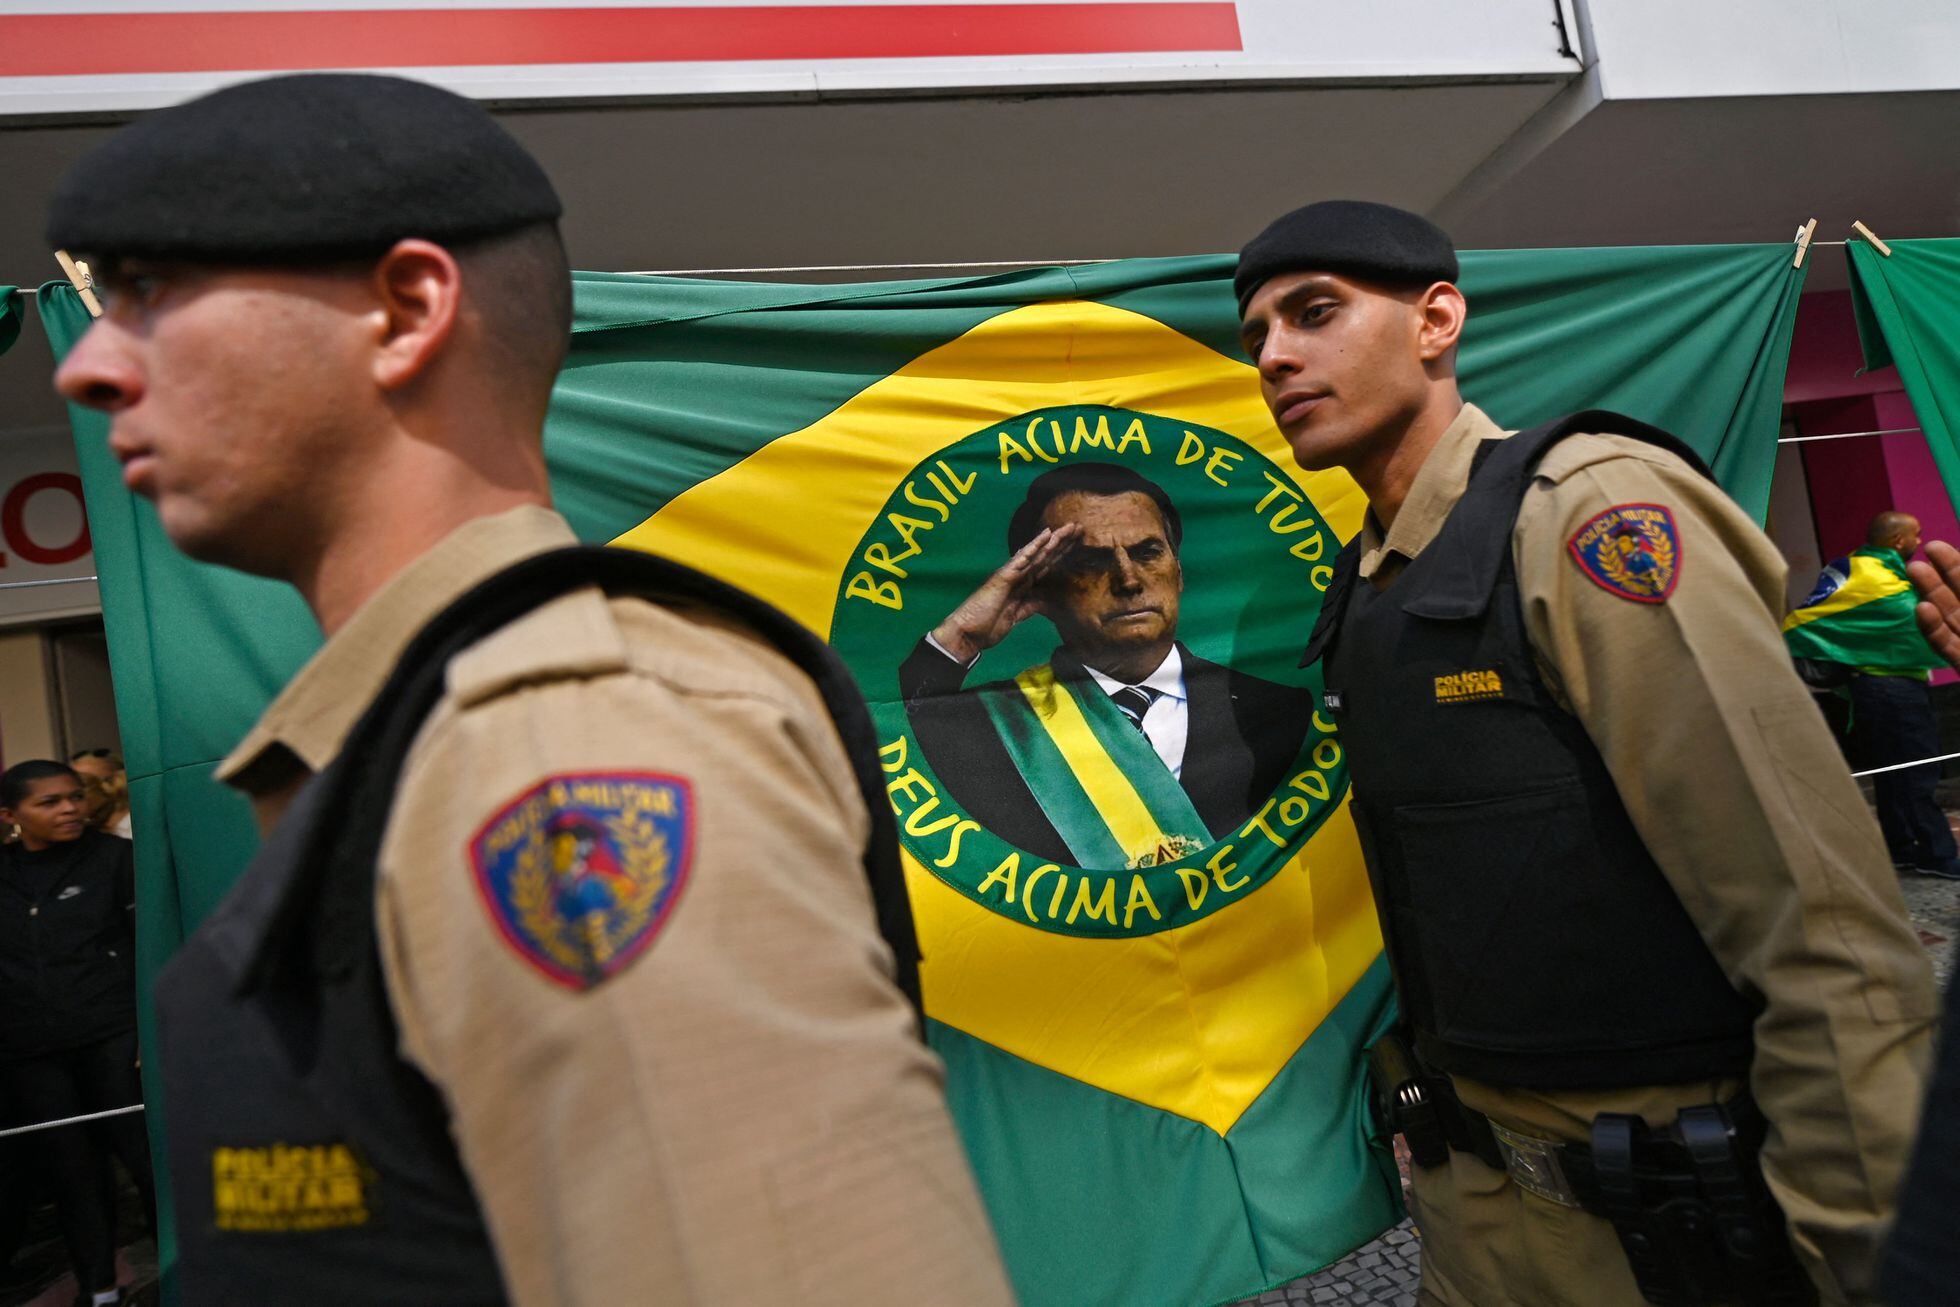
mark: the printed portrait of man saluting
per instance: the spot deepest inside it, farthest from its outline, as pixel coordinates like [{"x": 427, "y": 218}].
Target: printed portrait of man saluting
[{"x": 1125, "y": 749}]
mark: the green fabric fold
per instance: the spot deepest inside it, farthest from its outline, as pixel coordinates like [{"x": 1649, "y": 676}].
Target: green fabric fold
[{"x": 1908, "y": 309}]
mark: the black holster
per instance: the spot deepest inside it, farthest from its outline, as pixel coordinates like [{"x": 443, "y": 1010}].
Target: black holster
[
  {"x": 1422, "y": 1106},
  {"x": 1697, "y": 1221},
  {"x": 1692, "y": 1210}
]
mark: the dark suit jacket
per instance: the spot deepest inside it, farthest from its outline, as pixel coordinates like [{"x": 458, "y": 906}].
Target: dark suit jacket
[{"x": 1244, "y": 735}]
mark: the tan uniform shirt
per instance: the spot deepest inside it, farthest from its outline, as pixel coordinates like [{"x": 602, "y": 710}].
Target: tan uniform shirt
[
  {"x": 742, "y": 1114},
  {"x": 1733, "y": 781}
]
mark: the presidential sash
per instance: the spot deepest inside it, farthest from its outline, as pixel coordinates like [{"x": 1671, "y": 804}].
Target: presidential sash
[{"x": 1111, "y": 798}]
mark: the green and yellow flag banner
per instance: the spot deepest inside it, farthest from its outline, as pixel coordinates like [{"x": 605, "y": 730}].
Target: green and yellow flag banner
[
  {"x": 1908, "y": 311},
  {"x": 1860, "y": 614},
  {"x": 1151, "y": 975}
]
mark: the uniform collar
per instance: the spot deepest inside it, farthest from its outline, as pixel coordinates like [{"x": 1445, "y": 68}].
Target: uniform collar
[
  {"x": 306, "y": 725},
  {"x": 1439, "y": 484}
]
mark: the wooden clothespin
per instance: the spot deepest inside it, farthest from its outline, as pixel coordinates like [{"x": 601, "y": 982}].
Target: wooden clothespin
[
  {"x": 1872, "y": 237},
  {"x": 1804, "y": 233},
  {"x": 78, "y": 278}
]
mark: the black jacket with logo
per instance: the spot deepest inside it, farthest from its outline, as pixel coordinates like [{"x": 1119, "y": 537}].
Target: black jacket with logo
[{"x": 67, "y": 945}]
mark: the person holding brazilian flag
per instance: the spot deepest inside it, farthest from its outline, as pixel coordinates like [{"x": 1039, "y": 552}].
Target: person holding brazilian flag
[{"x": 1859, "y": 621}]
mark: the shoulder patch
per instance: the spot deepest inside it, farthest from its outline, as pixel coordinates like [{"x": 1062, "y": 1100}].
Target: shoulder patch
[
  {"x": 581, "y": 870},
  {"x": 1631, "y": 550}
]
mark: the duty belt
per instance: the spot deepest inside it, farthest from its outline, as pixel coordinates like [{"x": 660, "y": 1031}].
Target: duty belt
[
  {"x": 1567, "y": 1173},
  {"x": 1688, "y": 1202}
]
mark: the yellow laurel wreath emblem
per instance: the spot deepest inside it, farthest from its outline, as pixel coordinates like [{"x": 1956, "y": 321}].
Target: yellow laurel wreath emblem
[
  {"x": 1616, "y": 549},
  {"x": 1172, "y": 848},
  {"x": 584, "y": 945}
]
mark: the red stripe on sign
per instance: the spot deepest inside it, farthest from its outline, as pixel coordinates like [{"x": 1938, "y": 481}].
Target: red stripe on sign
[{"x": 49, "y": 45}]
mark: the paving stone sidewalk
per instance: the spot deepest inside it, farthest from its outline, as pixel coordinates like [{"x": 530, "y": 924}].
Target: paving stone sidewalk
[{"x": 1384, "y": 1272}]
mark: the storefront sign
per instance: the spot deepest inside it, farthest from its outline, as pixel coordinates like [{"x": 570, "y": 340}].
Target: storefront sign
[
  {"x": 87, "y": 55},
  {"x": 44, "y": 533}
]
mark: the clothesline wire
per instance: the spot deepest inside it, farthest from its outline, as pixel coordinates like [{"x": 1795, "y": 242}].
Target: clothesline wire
[
  {"x": 1847, "y": 435},
  {"x": 59, "y": 580},
  {"x": 877, "y": 267},
  {"x": 1784, "y": 440},
  {"x": 137, "y": 1107},
  {"x": 71, "y": 1120},
  {"x": 1901, "y": 766}
]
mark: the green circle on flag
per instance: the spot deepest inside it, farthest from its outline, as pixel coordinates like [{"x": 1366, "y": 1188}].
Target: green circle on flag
[{"x": 1017, "y": 781}]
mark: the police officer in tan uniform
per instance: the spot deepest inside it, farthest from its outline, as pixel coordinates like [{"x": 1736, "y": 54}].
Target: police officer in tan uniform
[
  {"x": 605, "y": 1005},
  {"x": 1660, "y": 999}
]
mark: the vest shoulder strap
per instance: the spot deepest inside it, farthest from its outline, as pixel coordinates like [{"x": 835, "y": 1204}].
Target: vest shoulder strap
[
  {"x": 327, "y": 921},
  {"x": 1333, "y": 602}
]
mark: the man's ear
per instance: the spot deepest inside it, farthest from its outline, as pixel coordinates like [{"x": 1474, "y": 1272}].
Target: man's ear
[
  {"x": 1442, "y": 309},
  {"x": 418, "y": 290}
]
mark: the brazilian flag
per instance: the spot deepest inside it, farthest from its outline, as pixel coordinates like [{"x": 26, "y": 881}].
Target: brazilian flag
[
  {"x": 1151, "y": 968},
  {"x": 1860, "y": 614}
]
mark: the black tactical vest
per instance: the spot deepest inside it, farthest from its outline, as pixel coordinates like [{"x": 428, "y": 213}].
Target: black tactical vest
[
  {"x": 1533, "y": 940},
  {"x": 310, "y": 1163}
]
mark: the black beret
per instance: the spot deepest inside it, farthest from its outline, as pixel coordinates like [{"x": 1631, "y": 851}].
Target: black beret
[
  {"x": 300, "y": 168},
  {"x": 1356, "y": 238}
]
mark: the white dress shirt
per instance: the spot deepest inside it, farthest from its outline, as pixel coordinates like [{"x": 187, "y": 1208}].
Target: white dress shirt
[{"x": 1167, "y": 725}]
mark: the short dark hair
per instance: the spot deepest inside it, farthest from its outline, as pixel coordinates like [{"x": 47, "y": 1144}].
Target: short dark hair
[
  {"x": 521, "y": 282},
  {"x": 1088, "y": 479},
  {"x": 18, "y": 779},
  {"x": 1887, "y": 527}
]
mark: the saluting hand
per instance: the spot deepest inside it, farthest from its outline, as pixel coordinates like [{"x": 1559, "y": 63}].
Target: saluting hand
[
  {"x": 1938, "y": 583},
  {"x": 1005, "y": 599}
]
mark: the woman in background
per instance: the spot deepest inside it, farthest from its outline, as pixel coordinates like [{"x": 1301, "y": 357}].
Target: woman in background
[
  {"x": 108, "y": 790},
  {"x": 68, "y": 1005}
]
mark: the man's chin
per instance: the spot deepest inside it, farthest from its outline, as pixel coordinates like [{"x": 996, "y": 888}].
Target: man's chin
[
  {"x": 197, "y": 537},
  {"x": 1316, "y": 450},
  {"x": 1124, "y": 638}
]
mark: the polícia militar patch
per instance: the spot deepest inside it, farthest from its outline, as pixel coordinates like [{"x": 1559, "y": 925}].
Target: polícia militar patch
[
  {"x": 1632, "y": 550},
  {"x": 581, "y": 870}
]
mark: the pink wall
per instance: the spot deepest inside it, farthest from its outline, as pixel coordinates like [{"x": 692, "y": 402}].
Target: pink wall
[
  {"x": 1824, "y": 354},
  {"x": 1916, "y": 485},
  {"x": 1850, "y": 480}
]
